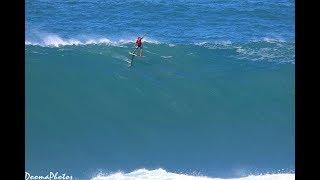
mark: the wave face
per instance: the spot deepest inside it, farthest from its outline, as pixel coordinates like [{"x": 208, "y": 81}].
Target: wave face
[
  {"x": 214, "y": 93},
  {"x": 161, "y": 174},
  {"x": 203, "y": 107}
]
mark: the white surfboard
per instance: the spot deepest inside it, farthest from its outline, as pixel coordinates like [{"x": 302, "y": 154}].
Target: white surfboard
[{"x": 132, "y": 54}]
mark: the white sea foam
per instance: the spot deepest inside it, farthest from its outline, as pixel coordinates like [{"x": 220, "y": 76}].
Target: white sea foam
[
  {"x": 160, "y": 174},
  {"x": 201, "y": 43},
  {"x": 52, "y": 40},
  {"x": 215, "y": 44},
  {"x": 166, "y": 57},
  {"x": 274, "y": 40},
  {"x": 274, "y": 53},
  {"x": 265, "y": 49}
]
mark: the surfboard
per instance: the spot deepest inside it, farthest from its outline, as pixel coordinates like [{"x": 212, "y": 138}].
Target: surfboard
[
  {"x": 132, "y": 54},
  {"x": 135, "y": 54}
]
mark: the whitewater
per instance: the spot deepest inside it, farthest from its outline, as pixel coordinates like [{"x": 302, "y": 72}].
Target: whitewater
[{"x": 160, "y": 174}]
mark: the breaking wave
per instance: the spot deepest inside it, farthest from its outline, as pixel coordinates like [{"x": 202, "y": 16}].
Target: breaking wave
[
  {"x": 266, "y": 49},
  {"x": 161, "y": 174}
]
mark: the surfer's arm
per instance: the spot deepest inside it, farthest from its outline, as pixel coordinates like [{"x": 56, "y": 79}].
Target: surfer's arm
[{"x": 143, "y": 35}]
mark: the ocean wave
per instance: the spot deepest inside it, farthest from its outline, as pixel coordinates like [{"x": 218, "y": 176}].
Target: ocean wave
[
  {"x": 53, "y": 40},
  {"x": 265, "y": 49},
  {"x": 161, "y": 174},
  {"x": 57, "y": 41},
  {"x": 228, "y": 43},
  {"x": 270, "y": 49}
]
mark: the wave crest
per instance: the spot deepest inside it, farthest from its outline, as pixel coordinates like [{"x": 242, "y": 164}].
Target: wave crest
[
  {"x": 57, "y": 41},
  {"x": 266, "y": 49}
]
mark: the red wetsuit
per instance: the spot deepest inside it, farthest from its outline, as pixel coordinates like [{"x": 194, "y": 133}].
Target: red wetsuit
[{"x": 138, "y": 42}]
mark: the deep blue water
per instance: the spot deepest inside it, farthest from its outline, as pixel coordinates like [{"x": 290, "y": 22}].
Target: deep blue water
[
  {"x": 214, "y": 94},
  {"x": 166, "y": 21}
]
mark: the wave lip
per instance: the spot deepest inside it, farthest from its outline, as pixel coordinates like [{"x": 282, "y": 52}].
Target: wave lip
[
  {"x": 53, "y": 40},
  {"x": 161, "y": 174},
  {"x": 56, "y": 41}
]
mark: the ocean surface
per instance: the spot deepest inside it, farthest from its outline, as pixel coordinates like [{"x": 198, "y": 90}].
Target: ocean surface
[{"x": 213, "y": 98}]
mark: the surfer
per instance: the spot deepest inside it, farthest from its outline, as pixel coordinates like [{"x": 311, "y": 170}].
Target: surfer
[{"x": 139, "y": 46}]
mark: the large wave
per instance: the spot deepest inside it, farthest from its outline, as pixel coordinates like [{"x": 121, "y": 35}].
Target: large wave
[
  {"x": 161, "y": 174},
  {"x": 52, "y": 40},
  {"x": 266, "y": 49}
]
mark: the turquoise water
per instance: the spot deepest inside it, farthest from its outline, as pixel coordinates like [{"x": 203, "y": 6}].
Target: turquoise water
[{"x": 212, "y": 97}]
